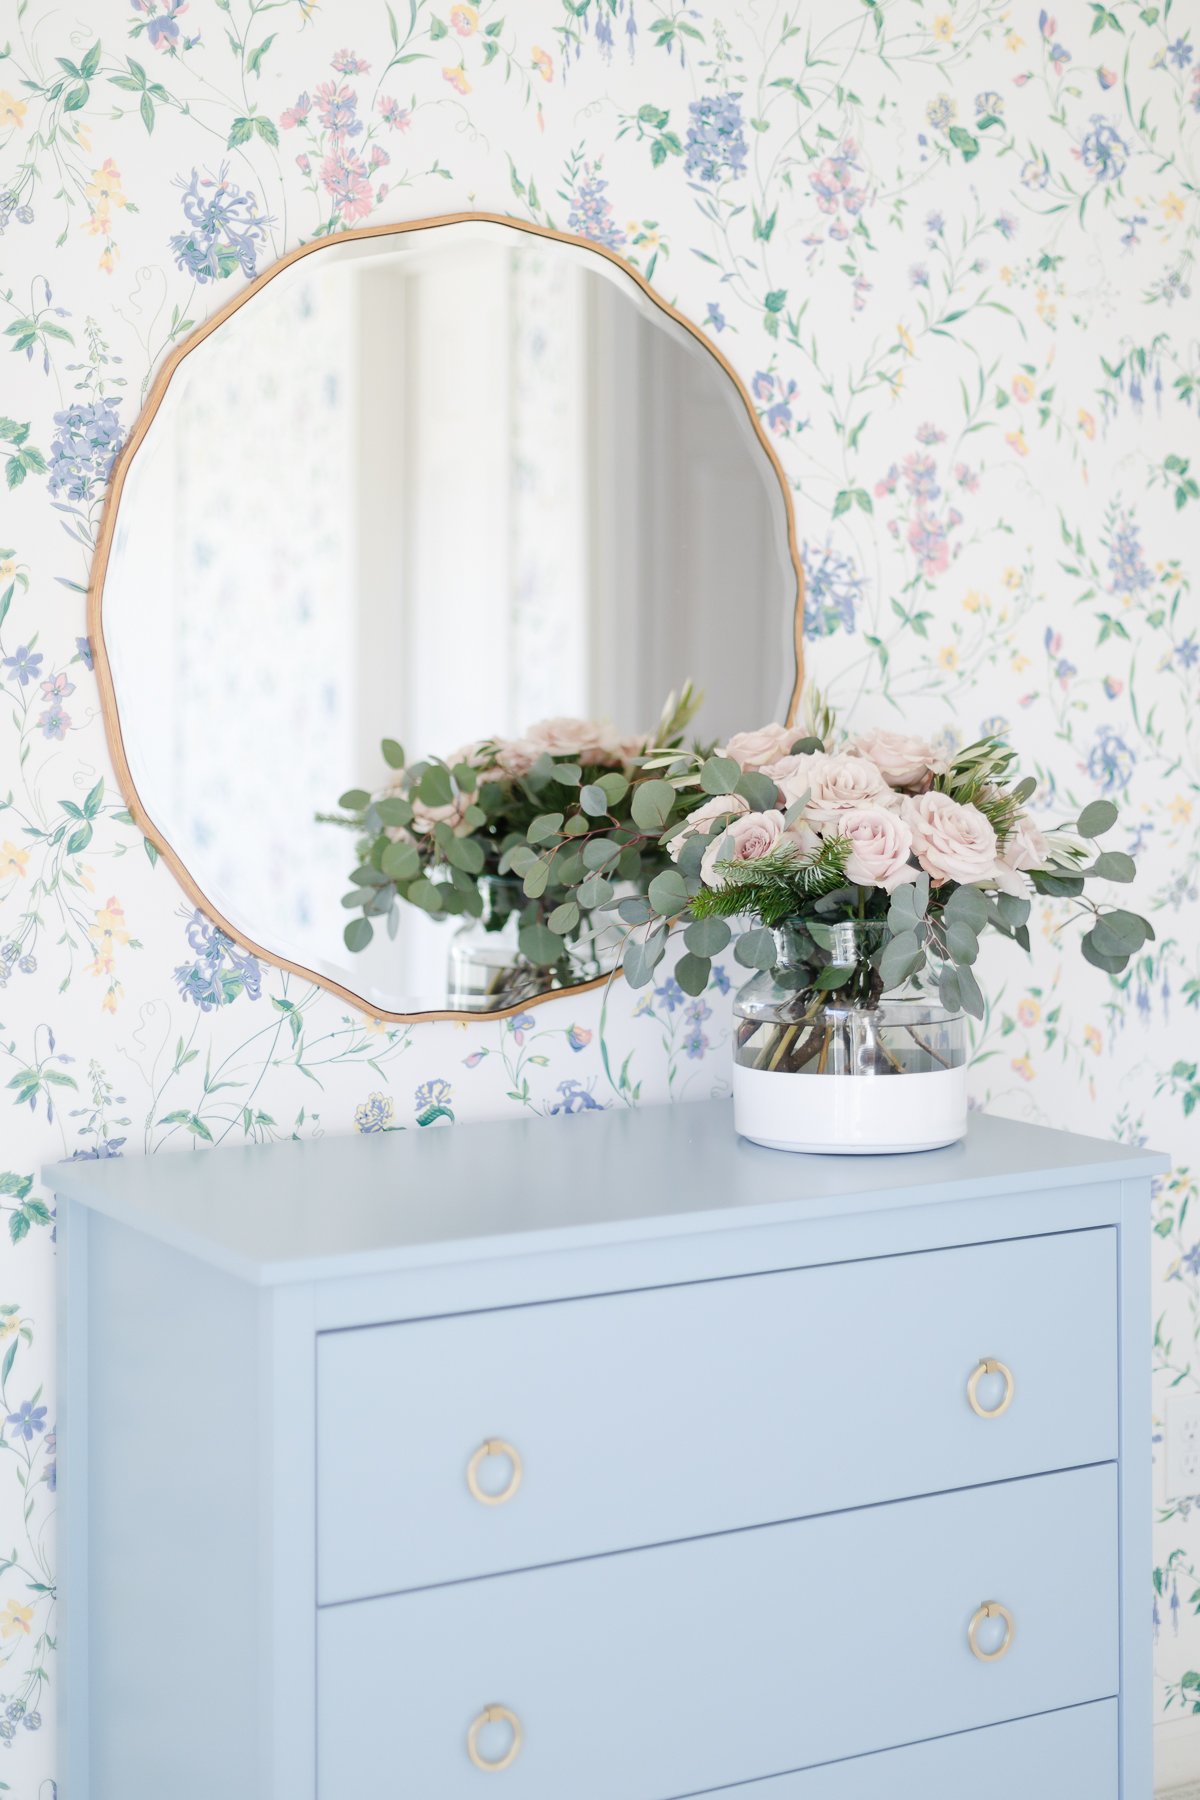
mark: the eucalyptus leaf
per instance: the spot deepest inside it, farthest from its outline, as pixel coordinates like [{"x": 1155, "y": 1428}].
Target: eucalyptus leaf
[
  {"x": 693, "y": 973},
  {"x": 1113, "y": 865},
  {"x": 354, "y": 799},
  {"x": 401, "y": 861},
  {"x": 568, "y": 773},
  {"x": 758, "y": 789},
  {"x": 520, "y": 859},
  {"x": 465, "y": 853},
  {"x": 576, "y": 826},
  {"x": 394, "y": 810},
  {"x": 1112, "y": 965},
  {"x": 920, "y": 888},
  {"x": 1012, "y": 908},
  {"x": 1096, "y": 818},
  {"x": 949, "y": 990},
  {"x": 651, "y": 804},
  {"x": 599, "y": 852},
  {"x": 707, "y": 937},
  {"x": 614, "y": 785},
  {"x": 969, "y": 993},
  {"x": 434, "y": 787},
  {"x": 668, "y": 893},
  {"x": 961, "y": 942},
  {"x": 424, "y": 893},
  {"x": 643, "y": 955},
  {"x": 719, "y": 775},
  {"x": 1025, "y": 790},
  {"x": 358, "y": 933},
  {"x": 593, "y": 799},
  {"x": 539, "y": 945},
  {"x": 1057, "y": 886},
  {"x": 807, "y": 746},
  {"x": 902, "y": 957},
  {"x": 595, "y": 891},
  {"x": 967, "y": 906},
  {"x": 691, "y": 854},
  {"x": 564, "y": 918},
  {"x": 833, "y": 975},
  {"x": 393, "y": 753},
  {"x": 536, "y": 879},
  {"x": 756, "y": 949},
  {"x": 544, "y": 827},
  {"x": 635, "y": 910},
  {"x": 466, "y": 779}
]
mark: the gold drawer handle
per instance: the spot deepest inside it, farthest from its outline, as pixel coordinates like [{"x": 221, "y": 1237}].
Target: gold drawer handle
[
  {"x": 991, "y": 1609},
  {"x": 494, "y": 1447},
  {"x": 494, "y": 1715},
  {"x": 990, "y": 1366}
]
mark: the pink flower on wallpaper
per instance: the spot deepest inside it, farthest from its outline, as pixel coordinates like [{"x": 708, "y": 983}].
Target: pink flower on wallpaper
[
  {"x": 347, "y": 63},
  {"x": 394, "y": 116},
  {"x": 297, "y": 114},
  {"x": 927, "y": 538},
  {"x": 345, "y": 178}
]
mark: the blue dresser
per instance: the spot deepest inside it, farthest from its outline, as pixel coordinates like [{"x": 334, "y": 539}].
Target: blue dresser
[{"x": 609, "y": 1458}]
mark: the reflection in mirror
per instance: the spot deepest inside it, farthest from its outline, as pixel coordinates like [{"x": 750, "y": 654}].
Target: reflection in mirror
[{"x": 430, "y": 487}]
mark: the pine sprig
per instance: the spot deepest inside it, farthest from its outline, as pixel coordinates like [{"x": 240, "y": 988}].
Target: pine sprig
[{"x": 774, "y": 887}]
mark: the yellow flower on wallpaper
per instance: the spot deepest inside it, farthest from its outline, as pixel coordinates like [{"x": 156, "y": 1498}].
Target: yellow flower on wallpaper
[
  {"x": 1172, "y": 207},
  {"x": 1022, "y": 388},
  {"x": 1092, "y": 1039},
  {"x": 943, "y": 28},
  {"x": 543, "y": 62},
  {"x": 107, "y": 932},
  {"x": 464, "y": 20},
  {"x": 971, "y": 602},
  {"x": 12, "y": 110},
  {"x": 1179, "y": 810},
  {"x": 1023, "y": 1067},
  {"x": 1016, "y": 441},
  {"x": 456, "y": 75},
  {"x": 947, "y": 657},
  {"x": 1087, "y": 423},
  {"x": 1028, "y": 1013},
  {"x": 13, "y": 859},
  {"x": 10, "y": 1325},
  {"x": 106, "y": 187},
  {"x": 15, "y": 1620}
]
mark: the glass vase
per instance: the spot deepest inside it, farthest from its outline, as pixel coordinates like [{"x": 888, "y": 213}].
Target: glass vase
[{"x": 845, "y": 1070}]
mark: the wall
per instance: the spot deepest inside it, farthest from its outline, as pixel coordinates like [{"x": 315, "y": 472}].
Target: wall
[{"x": 951, "y": 247}]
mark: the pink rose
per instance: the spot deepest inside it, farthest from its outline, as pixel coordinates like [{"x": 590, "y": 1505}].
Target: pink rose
[
  {"x": 1024, "y": 848},
  {"x": 904, "y": 762},
  {"x": 748, "y": 838},
  {"x": 881, "y": 843},
  {"x": 836, "y": 785},
  {"x": 754, "y": 749},
  {"x": 952, "y": 842},
  {"x": 588, "y": 739},
  {"x": 704, "y": 817}
]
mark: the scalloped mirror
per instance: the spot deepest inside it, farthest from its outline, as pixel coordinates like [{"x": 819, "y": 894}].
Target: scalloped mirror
[{"x": 431, "y": 484}]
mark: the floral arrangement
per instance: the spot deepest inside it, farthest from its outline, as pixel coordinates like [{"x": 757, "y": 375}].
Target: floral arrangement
[
  {"x": 785, "y": 827},
  {"x": 544, "y": 826}
]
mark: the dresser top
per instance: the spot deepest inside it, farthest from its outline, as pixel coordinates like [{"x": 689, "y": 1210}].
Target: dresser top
[{"x": 336, "y": 1206}]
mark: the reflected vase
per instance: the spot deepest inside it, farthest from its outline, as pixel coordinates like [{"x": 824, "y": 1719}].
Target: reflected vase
[
  {"x": 486, "y": 971},
  {"x": 847, "y": 1070}
]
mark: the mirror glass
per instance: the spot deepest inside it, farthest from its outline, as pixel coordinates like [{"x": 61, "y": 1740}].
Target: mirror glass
[{"x": 429, "y": 486}]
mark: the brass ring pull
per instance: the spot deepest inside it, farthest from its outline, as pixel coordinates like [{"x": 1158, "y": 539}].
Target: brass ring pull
[
  {"x": 989, "y": 1366},
  {"x": 991, "y": 1609},
  {"x": 493, "y": 1715},
  {"x": 494, "y": 1447}
]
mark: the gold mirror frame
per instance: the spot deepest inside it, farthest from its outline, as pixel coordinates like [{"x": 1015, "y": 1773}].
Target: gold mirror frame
[{"x": 95, "y": 597}]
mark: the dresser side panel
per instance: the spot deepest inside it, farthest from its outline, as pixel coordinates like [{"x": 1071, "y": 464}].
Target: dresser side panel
[
  {"x": 174, "y": 1565},
  {"x": 1135, "y": 1492}
]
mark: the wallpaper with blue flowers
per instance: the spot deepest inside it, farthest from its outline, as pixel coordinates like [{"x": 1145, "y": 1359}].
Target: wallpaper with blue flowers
[{"x": 950, "y": 247}]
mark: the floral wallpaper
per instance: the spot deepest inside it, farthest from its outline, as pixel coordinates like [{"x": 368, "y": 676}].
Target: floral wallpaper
[{"x": 951, "y": 249}]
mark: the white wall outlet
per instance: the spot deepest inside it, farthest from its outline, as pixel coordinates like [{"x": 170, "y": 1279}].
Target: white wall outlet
[{"x": 1183, "y": 1446}]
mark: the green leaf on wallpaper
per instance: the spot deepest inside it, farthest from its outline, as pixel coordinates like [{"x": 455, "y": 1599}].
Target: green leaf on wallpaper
[
  {"x": 91, "y": 62},
  {"x": 963, "y": 140},
  {"x": 437, "y": 28},
  {"x": 266, "y": 131},
  {"x": 254, "y": 61},
  {"x": 146, "y": 108},
  {"x": 79, "y": 840},
  {"x": 240, "y": 132},
  {"x": 776, "y": 300},
  {"x": 77, "y": 97},
  {"x": 151, "y": 851}
]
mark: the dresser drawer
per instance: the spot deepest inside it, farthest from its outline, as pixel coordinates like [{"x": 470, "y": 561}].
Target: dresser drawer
[
  {"x": 675, "y": 1412},
  {"x": 1068, "y": 1755},
  {"x": 696, "y": 1665}
]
